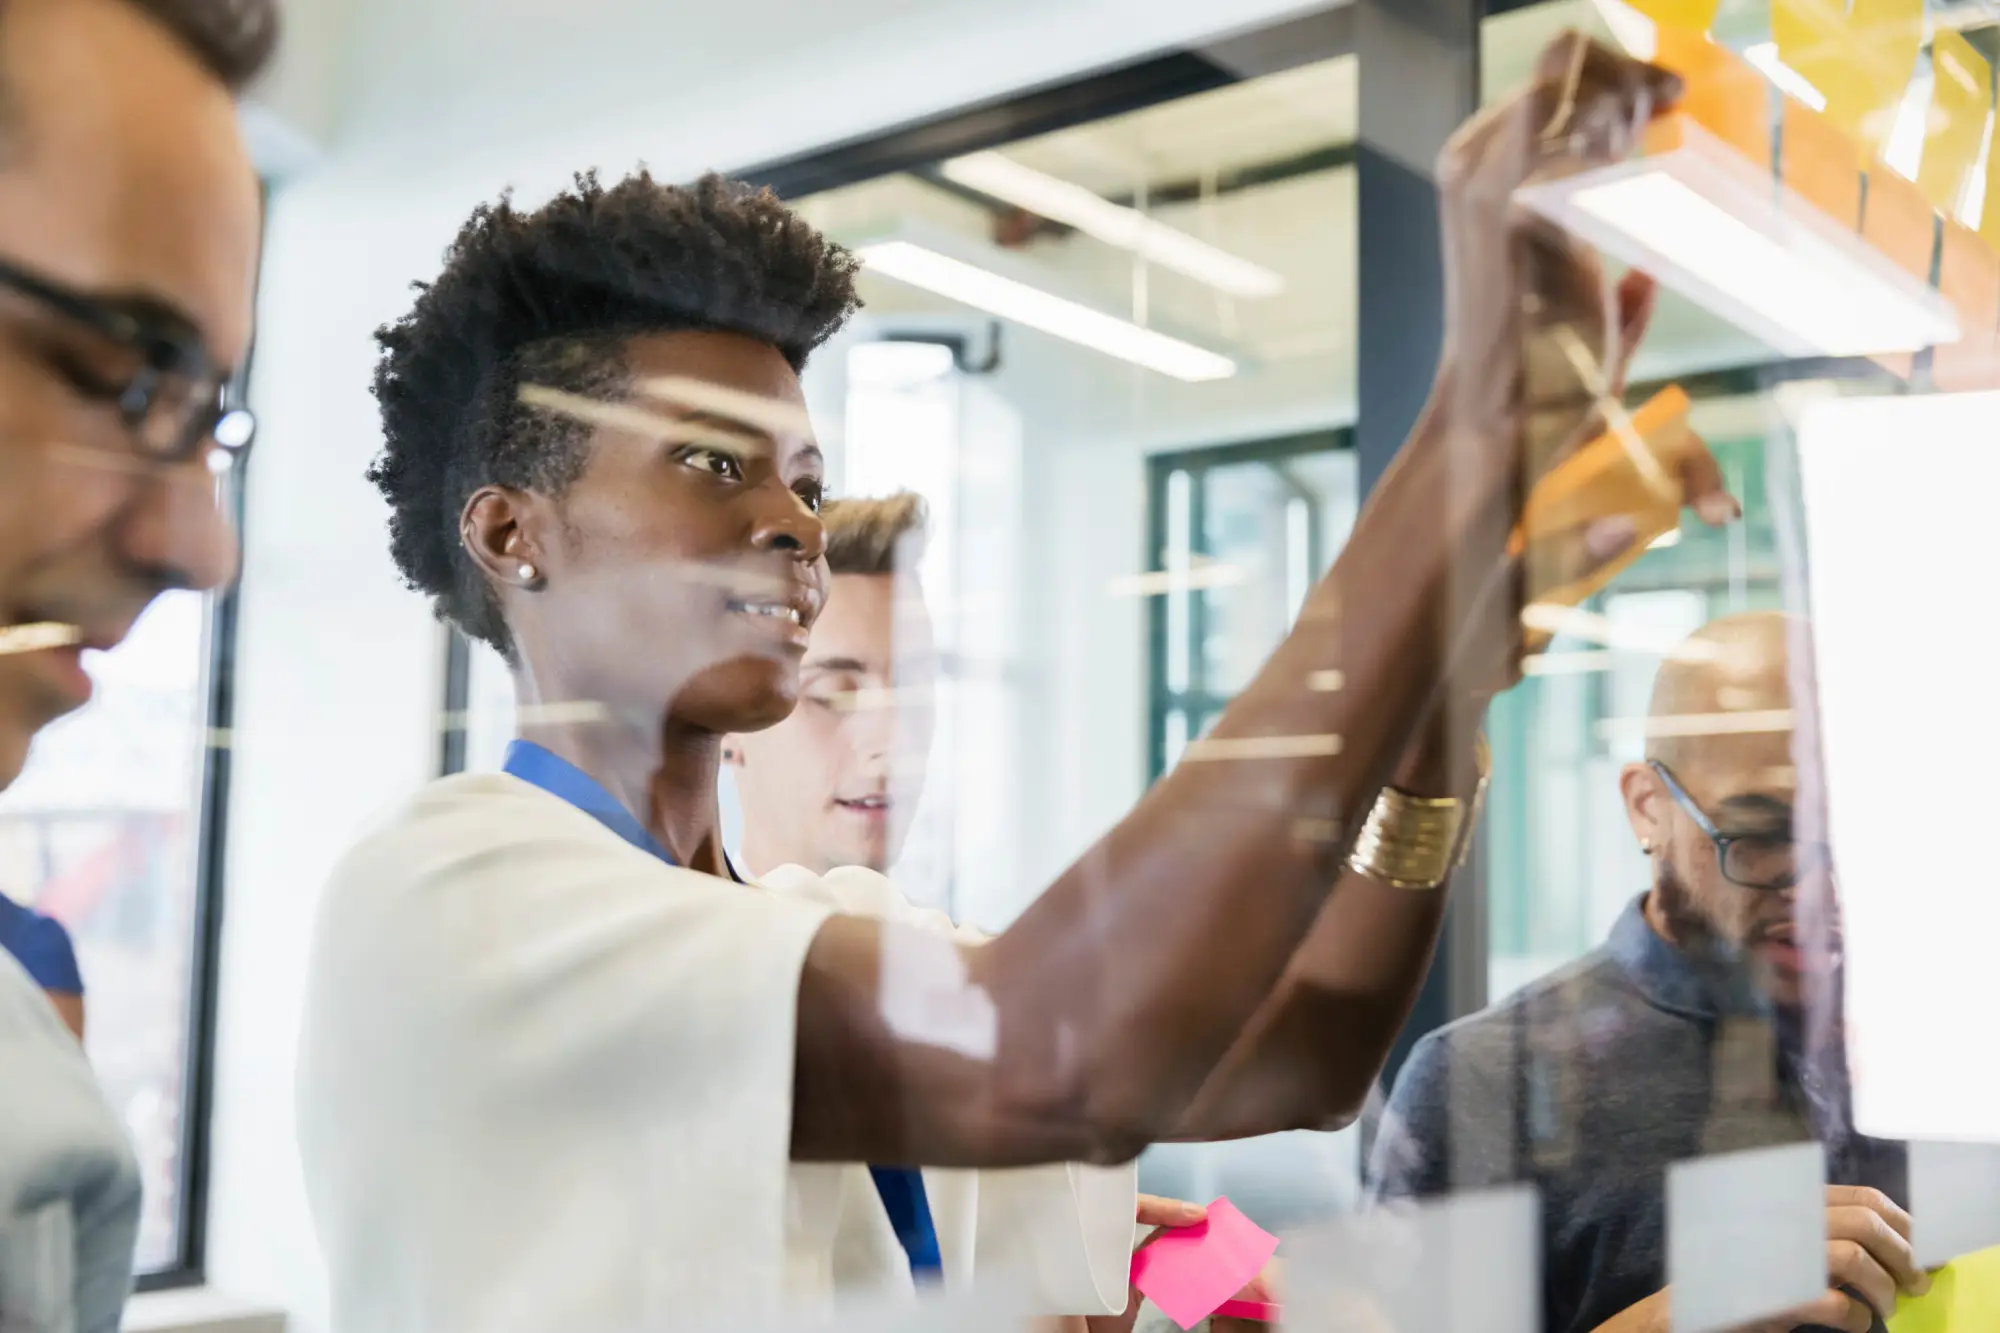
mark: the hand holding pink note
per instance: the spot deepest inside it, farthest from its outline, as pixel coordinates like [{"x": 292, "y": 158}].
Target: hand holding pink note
[{"x": 1191, "y": 1272}]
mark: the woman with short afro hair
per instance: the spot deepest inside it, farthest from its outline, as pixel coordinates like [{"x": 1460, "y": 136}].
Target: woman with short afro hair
[{"x": 564, "y": 1070}]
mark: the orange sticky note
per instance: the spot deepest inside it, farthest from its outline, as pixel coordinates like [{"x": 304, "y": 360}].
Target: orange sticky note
[
  {"x": 1961, "y": 95},
  {"x": 1603, "y": 480},
  {"x": 1899, "y": 221},
  {"x": 1722, "y": 92},
  {"x": 1822, "y": 165}
]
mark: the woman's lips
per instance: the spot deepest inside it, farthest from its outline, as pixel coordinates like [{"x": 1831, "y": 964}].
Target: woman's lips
[
  {"x": 785, "y": 619},
  {"x": 865, "y": 807}
]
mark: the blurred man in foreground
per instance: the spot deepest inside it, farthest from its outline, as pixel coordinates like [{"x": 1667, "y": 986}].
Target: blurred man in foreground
[
  {"x": 835, "y": 783},
  {"x": 1687, "y": 1033},
  {"x": 129, "y": 220}
]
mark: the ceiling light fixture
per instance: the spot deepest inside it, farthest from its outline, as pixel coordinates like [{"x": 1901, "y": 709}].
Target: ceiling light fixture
[
  {"x": 1715, "y": 227},
  {"x": 1115, "y": 224},
  {"x": 957, "y": 280}
]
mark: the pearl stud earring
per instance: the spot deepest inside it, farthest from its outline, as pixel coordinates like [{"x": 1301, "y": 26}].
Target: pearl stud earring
[
  {"x": 528, "y": 573},
  {"x": 1646, "y": 846}
]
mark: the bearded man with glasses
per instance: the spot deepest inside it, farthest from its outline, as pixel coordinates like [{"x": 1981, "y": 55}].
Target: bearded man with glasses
[
  {"x": 129, "y": 225},
  {"x": 1706, "y": 1023}
]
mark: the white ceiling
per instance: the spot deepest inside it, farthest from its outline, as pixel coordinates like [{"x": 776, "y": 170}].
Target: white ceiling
[{"x": 510, "y": 87}]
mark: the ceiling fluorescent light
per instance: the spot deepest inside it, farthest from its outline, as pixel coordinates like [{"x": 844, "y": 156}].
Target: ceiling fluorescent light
[
  {"x": 1711, "y": 225},
  {"x": 1023, "y": 303},
  {"x": 1114, "y": 224}
]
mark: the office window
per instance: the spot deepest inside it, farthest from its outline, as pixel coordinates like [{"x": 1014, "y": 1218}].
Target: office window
[
  {"x": 109, "y": 831},
  {"x": 1239, "y": 535}
]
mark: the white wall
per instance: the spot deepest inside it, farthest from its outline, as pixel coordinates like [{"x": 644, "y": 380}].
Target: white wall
[{"x": 424, "y": 109}]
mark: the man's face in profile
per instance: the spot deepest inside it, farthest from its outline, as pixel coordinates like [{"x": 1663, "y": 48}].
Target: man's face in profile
[
  {"x": 123, "y": 180},
  {"x": 1732, "y": 825},
  {"x": 836, "y": 783},
  {"x": 1746, "y": 787}
]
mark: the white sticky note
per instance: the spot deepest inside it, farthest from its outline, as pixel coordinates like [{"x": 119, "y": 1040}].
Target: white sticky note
[
  {"x": 1899, "y": 534},
  {"x": 1954, "y": 1200},
  {"x": 1469, "y": 1263},
  {"x": 1746, "y": 1235}
]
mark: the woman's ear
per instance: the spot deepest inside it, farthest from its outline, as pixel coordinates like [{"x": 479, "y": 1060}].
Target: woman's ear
[{"x": 494, "y": 533}]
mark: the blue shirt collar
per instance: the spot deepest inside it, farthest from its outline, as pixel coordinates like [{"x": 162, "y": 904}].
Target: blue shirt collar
[
  {"x": 559, "y": 777},
  {"x": 1701, "y": 986}
]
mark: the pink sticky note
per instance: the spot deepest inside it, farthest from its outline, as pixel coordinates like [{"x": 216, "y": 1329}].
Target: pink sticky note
[
  {"x": 1190, "y": 1271},
  {"x": 1262, "y": 1312}
]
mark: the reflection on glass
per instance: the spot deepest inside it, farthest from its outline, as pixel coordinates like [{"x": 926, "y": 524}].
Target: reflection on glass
[{"x": 100, "y": 833}]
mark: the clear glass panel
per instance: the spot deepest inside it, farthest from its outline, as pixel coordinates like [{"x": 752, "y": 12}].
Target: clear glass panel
[
  {"x": 1125, "y": 516},
  {"x": 1669, "y": 1042}
]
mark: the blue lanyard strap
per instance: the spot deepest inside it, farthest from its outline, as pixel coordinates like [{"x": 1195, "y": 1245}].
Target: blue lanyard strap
[
  {"x": 901, "y": 1187},
  {"x": 902, "y": 1191},
  {"x": 559, "y": 777}
]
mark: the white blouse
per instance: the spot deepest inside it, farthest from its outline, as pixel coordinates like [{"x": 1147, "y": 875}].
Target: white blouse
[{"x": 546, "y": 1082}]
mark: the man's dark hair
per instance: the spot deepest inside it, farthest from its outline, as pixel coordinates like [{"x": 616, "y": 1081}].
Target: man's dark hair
[
  {"x": 234, "y": 39},
  {"x": 551, "y": 297}
]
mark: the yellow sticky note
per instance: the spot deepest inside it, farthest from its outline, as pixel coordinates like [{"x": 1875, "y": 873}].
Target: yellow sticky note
[
  {"x": 1694, "y": 14},
  {"x": 1989, "y": 220},
  {"x": 1890, "y": 34},
  {"x": 1961, "y": 95},
  {"x": 1861, "y": 60},
  {"x": 1964, "y": 1298}
]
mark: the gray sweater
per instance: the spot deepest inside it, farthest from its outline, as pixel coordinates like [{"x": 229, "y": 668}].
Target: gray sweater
[
  {"x": 69, "y": 1183},
  {"x": 1589, "y": 1084}
]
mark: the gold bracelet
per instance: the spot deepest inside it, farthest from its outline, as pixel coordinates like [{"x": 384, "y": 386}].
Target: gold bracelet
[
  {"x": 1408, "y": 841},
  {"x": 1415, "y": 842}
]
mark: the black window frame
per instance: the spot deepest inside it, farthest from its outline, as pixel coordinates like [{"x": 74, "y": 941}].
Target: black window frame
[
  {"x": 1197, "y": 701},
  {"x": 189, "y": 1267}
]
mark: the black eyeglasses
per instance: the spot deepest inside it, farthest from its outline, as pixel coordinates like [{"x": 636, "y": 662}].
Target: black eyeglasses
[
  {"x": 171, "y": 397},
  {"x": 1752, "y": 860}
]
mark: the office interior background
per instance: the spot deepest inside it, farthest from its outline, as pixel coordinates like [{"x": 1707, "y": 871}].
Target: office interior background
[{"x": 1116, "y": 544}]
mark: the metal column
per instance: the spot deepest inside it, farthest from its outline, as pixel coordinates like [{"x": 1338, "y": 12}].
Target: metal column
[{"x": 1419, "y": 77}]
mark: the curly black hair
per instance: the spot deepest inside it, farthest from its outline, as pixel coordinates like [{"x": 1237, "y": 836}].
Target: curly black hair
[{"x": 552, "y": 297}]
